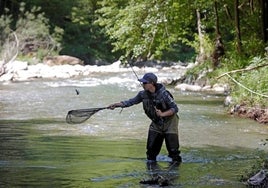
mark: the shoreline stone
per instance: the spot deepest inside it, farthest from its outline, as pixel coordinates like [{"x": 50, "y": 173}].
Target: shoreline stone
[{"x": 256, "y": 113}]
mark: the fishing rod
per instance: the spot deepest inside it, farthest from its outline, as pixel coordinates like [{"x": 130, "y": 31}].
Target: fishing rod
[{"x": 134, "y": 73}]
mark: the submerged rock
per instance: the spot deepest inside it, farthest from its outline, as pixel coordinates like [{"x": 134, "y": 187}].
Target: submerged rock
[
  {"x": 256, "y": 113},
  {"x": 260, "y": 179}
]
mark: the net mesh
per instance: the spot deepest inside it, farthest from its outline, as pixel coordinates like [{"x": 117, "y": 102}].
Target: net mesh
[{"x": 81, "y": 115}]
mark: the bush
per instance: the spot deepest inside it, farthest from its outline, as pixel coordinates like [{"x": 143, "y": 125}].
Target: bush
[
  {"x": 254, "y": 86},
  {"x": 5, "y": 21},
  {"x": 249, "y": 87},
  {"x": 32, "y": 31}
]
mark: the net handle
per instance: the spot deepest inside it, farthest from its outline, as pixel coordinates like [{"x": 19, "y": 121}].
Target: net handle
[{"x": 81, "y": 115}]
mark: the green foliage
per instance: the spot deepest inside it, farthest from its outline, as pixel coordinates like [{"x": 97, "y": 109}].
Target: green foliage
[
  {"x": 234, "y": 60},
  {"x": 32, "y": 31},
  {"x": 207, "y": 44},
  {"x": 255, "y": 85},
  {"x": 5, "y": 22},
  {"x": 144, "y": 29},
  {"x": 179, "y": 52},
  {"x": 253, "y": 46},
  {"x": 83, "y": 38},
  {"x": 71, "y": 28},
  {"x": 248, "y": 87},
  {"x": 107, "y": 29}
]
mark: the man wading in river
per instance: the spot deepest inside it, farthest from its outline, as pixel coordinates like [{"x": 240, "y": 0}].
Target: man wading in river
[{"x": 159, "y": 106}]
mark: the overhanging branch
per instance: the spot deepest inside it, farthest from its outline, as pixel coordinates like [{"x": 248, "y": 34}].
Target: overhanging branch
[
  {"x": 241, "y": 85},
  {"x": 242, "y": 70}
]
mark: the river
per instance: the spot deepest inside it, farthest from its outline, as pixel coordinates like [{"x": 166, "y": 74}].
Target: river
[{"x": 39, "y": 149}]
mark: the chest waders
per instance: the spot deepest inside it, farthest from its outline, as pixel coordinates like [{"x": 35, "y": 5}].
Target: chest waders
[{"x": 161, "y": 129}]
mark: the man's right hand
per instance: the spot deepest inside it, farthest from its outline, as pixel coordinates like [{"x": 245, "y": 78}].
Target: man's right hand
[{"x": 115, "y": 105}]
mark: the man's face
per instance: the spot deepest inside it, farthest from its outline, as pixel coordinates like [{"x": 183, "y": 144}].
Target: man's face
[{"x": 147, "y": 86}]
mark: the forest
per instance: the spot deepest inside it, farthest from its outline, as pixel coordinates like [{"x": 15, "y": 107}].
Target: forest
[{"x": 226, "y": 38}]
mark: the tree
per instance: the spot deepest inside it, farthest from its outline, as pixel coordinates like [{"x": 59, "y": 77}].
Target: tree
[
  {"x": 80, "y": 37},
  {"x": 237, "y": 26},
  {"x": 143, "y": 29},
  {"x": 149, "y": 29},
  {"x": 32, "y": 29},
  {"x": 264, "y": 6},
  {"x": 28, "y": 37},
  {"x": 219, "y": 50}
]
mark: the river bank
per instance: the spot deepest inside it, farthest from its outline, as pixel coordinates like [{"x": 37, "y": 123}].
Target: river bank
[{"x": 18, "y": 71}]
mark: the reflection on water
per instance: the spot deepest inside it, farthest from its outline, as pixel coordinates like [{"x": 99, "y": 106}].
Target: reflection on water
[
  {"x": 30, "y": 158},
  {"x": 38, "y": 149}
]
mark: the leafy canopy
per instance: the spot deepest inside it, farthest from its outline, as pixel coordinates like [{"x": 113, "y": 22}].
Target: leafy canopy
[{"x": 143, "y": 29}]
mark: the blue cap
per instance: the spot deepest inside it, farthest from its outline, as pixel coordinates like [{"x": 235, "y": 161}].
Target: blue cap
[{"x": 149, "y": 78}]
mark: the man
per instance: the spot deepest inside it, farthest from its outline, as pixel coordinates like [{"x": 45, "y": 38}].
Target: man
[{"x": 159, "y": 106}]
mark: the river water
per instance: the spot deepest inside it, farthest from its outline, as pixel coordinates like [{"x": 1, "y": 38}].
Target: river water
[{"x": 39, "y": 149}]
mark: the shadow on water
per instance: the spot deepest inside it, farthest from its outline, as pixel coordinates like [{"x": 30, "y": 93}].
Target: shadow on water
[{"x": 31, "y": 158}]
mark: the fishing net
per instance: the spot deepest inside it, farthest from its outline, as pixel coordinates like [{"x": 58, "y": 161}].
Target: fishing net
[{"x": 81, "y": 115}]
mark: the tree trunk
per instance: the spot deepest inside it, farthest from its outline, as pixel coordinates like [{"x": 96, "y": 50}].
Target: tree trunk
[
  {"x": 218, "y": 51},
  {"x": 237, "y": 27},
  {"x": 216, "y": 18},
  {"x": 201, "y": 56},
  {"x": 264, "y": 7},
  {"x": 10, "y": 52}
]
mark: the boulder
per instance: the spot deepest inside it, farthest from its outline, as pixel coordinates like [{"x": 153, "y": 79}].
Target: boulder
[
  {"x": 15, "y": 66},
  {"x": 188, "y": 87},
  {"x": 62, "y": 60}
]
